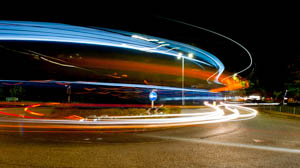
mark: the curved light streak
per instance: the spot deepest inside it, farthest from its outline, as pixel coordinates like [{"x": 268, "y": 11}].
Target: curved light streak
[
  {"x": 221, "y": 35},
  {"x": 54, "y": 32},
  {"x": 252, "y": 112},
  {"x": 113, "y": 84},
  {"x": 134, "y": 122},
  {"x": 187, "y": 48},
  {"x": 57, "y": 63}
]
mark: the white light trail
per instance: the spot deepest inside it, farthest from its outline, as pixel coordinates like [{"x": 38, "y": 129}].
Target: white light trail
[
  {"x": 221, "y": 35},
  {"x": 55, "y": 32},
  {"x": 152, "y": 121},
  {"x": 53, "y": 62}
]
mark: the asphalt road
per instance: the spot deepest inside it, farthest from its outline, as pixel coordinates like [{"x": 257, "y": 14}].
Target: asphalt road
[{"x": 265, "y": 141}]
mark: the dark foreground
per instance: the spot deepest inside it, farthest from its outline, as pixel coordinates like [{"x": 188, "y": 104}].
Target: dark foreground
[{"x": 265, "y": 141}]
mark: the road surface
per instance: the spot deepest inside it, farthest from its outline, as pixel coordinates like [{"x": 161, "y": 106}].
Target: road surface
[{"x": 264, "y": 141}]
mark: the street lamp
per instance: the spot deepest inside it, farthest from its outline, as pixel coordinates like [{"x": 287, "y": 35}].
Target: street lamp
[
  {"x": 191, "y": 55},
  {"x": 180, "y": 55},
  {"x": 69, "y": 93}
]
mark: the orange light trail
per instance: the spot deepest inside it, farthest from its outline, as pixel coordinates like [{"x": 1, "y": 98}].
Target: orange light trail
[{"x": 159, "y": 69}]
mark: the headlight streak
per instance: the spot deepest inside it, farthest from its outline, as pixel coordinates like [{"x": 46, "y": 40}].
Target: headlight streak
[
  {"x": 208, "y": 57},
  {"x": 134, "y": 122},
  {"x": 251, "y": 112},
  {"x": 221, "y": 35},
  {"x": 216, "y": 62},
  {"x": 54, "y": 32},
  {"x": 53, "y": 62},
  {"x": 45, "y": 58},
  {"x": 193, "y": 98},
  {"x": 112, "y": 84}
]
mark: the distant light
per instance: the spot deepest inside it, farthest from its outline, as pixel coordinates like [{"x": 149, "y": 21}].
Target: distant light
[
  {"x": 253, "y": 97},
  {"x": 179, "y": 55},
  {"x": 191, "y": 55}
]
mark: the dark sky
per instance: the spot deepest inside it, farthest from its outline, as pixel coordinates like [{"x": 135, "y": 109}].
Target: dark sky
[{"x": 269, "y": 31}]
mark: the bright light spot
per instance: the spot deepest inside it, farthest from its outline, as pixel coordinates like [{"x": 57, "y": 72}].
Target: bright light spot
[
  {"x": 253, "y": 97},
  {"x": 191, "y": 55},
  {"x": 179, "y": 55}
]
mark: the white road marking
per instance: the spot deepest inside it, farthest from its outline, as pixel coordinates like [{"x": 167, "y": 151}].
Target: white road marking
[{"x": 229, "y": 144}]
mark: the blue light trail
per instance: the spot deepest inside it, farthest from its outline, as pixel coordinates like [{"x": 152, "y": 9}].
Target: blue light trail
[{"x": 56, "y": 32}]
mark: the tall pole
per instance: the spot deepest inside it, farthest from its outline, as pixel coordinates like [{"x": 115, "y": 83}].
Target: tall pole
[
  {"x": 284, "y": 97},
  {"x": 182, "y": 81},
  {"x": 69, "y": 93}
]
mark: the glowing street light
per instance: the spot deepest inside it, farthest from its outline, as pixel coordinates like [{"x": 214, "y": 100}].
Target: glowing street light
[
  {"x": 179, "y": 56},
  {"x": 191, "y": 55}
]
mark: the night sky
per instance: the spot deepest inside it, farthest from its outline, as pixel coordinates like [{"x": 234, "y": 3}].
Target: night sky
[{"x": 269, "y": 31}]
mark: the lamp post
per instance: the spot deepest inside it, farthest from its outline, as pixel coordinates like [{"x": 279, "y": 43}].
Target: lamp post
[
  {"x": 182, "y": 81},
  {"x": 182, "y": 76},
  {"x": 69, "y": 93},
  {"x": 180, "y": 56}
]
